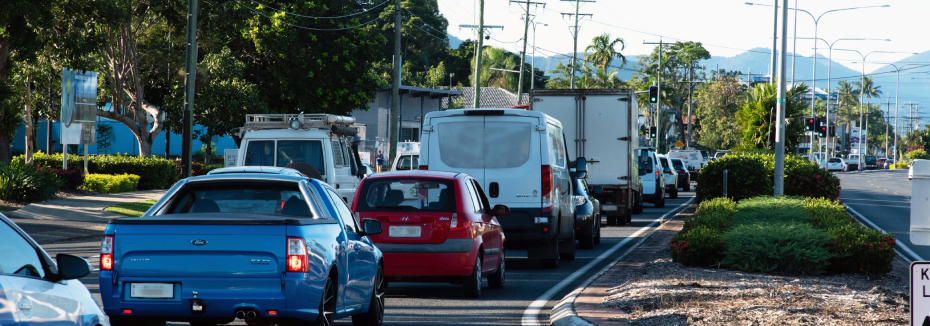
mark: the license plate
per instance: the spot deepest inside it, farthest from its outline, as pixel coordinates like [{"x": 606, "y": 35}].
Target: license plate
[
  {"x": 609, "y": 207},
  {"x": 404, "y": 231},
  {"x": 151, "y": 290}
]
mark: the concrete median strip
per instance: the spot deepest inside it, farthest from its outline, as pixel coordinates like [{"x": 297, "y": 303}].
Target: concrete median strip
[{"x": 563, "y": 314}]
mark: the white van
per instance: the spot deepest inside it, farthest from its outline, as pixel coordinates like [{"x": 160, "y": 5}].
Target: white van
[
  {"x": 650, "y": 173},
  {"x": 520, "y": 158}
]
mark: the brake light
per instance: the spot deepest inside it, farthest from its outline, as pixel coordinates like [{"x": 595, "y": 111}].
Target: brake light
[
  {"x": 546, "y": 188},
  {"x": 106, "y": 253},
  {"x": 297, "y": 255},
  {"x": 657, "y": 173},
  {"x": 423, "y": 167},
  {"x": 455, "y": 225},
  {"x": 127, "y": 311}
]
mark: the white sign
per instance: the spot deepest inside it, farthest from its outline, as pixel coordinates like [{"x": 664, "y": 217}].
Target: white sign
[
  {"x": 920, "y": 293},
  {"x": 230, "y": 155}
]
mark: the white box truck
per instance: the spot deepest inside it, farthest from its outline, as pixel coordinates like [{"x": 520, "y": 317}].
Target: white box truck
[{"x": 600, "y": 125}]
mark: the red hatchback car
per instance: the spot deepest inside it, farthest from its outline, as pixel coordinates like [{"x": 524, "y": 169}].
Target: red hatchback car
[{"x": 438, "y": 227}]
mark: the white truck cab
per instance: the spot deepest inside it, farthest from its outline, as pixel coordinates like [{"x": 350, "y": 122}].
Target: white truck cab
[
  {"x": 318, "y": 145},
  {"x": 408, "y": 157}
]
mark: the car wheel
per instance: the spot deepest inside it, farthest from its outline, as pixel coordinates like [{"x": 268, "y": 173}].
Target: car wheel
[
  {"x": 597, "y": 238},
  {"x": 551, "y": 263},
  {"x": 472, "y": 283},
  {"x": 674, "y": 194},
  {"x": 496, "y": 280},
  {"x": 661, "y": 202},
  {"x": 587, "y": 241},
  {"x": 327, "y": 304},
  {"x": 687, "y": 186},
  {"x": 375, "y": 314},
  {"x": 611, "y": 220},
  {"x": 570, "y": 253}
]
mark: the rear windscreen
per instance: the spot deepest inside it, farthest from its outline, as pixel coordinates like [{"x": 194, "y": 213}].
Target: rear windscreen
[
  {"x": 407, "y": 195},
  {"x": 491, "y": 144},
  {"x": 233, "y": 198}
]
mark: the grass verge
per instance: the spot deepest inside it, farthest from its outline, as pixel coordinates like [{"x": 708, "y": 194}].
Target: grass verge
[{"x": 131, "y": 209}]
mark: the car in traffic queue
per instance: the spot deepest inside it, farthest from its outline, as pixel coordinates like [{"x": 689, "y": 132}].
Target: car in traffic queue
[
  {"x": 871, "y": 162},
  {"x": 35, "y": 290},
  {"x": 836, "y": 164},
  {"x": 671, "y": 176},
  {"x": 266, "y": 248},
  {"x": 651, "y": 176},
  {"x": 440, "y": 228},
  {"x": 587, "y": 210},
  {"x": 684, "y": 178}
]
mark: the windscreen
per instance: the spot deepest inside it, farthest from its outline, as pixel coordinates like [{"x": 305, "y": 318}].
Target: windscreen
[
  {"x": 306, "y": 151},
  {"x": 407, "y": 195},
  {"x": 492, "y": 144},
  {"x": 645, "y": 161},
  {"x": 678, "y": 164},
  {"x": 240, "y": 197},
  {"x": 870, "y": 159}
]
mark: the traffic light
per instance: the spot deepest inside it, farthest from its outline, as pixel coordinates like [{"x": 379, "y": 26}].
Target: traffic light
[
  {"x": 821, "y": 131},
  {"x": 810, "y": 124},
  {"x": 831, "y": 130},
  {"x": 652, "y": 132},
  {"x": 653, "y": 94}
]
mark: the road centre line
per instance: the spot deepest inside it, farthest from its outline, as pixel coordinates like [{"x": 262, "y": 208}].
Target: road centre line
[{"x": 531, "y": 314}]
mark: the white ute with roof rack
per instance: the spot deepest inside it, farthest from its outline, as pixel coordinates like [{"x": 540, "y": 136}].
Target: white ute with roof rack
[{"x": 321, "y": 146}]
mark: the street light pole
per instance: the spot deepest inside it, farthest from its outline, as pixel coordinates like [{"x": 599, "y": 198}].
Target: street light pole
[
  {"x": 779, "y": 181},
  {"x": 533, "y": 73}
]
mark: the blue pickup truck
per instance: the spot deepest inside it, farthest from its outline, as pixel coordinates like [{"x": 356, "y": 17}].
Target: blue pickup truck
[{"x": 264, "y": 248}]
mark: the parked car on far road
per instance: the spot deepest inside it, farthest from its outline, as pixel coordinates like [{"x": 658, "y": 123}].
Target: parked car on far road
[
  {"x": 440, "y": 228},
  {"x": 34, "y": 290},
  {"x": 836, "y": 164}
]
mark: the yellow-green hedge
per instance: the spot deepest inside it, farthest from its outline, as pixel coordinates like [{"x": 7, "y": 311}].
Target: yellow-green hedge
[
  {"x": 108, "y": 184},
  {"x": 902, "y": 165}
]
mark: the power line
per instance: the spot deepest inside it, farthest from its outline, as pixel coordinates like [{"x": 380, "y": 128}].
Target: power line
[
  {"x": 309, "y": 28},
  {"x": 320, "y": 17}
]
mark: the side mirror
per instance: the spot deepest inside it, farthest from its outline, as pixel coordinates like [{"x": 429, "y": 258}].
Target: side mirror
[
  {"x": 72, "y": 267},
  {"x": 500, "y": 210},
  {"x": 581, "y": 167},
  {"x": 372, "y": 227}
]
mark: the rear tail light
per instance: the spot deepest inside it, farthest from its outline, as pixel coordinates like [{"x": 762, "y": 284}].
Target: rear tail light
[
  {"x": 580, "y": 200},
  {"x": 455, "y": 224},
  {"x": 546, "y": 188},
  {"x": 424, "y": 167},
  {"x": 297, "y": 255},
  {"x": 657, "y": 172},
  {"x": 106, "y": 253}
]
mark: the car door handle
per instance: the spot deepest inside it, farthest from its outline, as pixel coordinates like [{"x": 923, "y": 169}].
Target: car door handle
[{"x": 25, "y": 305}]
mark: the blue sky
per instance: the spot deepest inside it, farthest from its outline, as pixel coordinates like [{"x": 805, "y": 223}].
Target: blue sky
[{"x": 725, "y": 27}]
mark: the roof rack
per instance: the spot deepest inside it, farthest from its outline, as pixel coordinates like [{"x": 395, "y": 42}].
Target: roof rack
[{"x": 293, "y": 121}]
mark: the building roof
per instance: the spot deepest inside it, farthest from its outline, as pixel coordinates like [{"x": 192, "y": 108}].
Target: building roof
[
  {"x": 423, "y": 91},
  {"x": 491, "y": 97}
]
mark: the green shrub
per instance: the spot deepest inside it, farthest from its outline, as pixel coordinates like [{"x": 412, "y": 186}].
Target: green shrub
[
  {"x": 794, "y": 248},
  {"x": 154, "y": 173},
  {"x": 747, "y": 177},
  {"x": 698, "y": 246},
  {"x": 768, "y": 209},
  {"x": 917, "y": 154},
  {"x": 858, "y": 249},
  {"x": 716, "y": 213},
  {"x": 827, "y": 213},
  {"x": 26, "y": 183},
  {"x": 109, "y": 184},
  {"x": 807, "y": 179}
]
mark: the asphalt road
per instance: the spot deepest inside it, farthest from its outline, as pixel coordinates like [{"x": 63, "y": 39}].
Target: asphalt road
[
  {"x": 884, "y": 198},
  {"x": 433, "y": 304}
]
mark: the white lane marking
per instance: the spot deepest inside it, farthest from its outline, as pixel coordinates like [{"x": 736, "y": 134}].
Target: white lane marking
[
  {"x": 531, "y": 314},
  {"x": 898, "y": 243}
]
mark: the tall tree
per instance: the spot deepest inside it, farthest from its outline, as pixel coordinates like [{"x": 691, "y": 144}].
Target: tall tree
[
  {"x": 500, "y": 59},
  {"x": 756, "y": 117},
  {"x": 603, "y": 50},
  {"x": 716, "y": 104}
]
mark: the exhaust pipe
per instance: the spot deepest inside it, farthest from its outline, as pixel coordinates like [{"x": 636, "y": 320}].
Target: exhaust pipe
[
  {"x": 240, "y": 314},
  {"x": 251, "y": 315}
]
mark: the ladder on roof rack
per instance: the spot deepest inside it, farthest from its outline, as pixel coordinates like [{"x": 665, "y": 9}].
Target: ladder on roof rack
[{"x": 293, "y": 121}]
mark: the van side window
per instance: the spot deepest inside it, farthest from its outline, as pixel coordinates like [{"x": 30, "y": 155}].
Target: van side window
[{"x": 260, "y": 153}]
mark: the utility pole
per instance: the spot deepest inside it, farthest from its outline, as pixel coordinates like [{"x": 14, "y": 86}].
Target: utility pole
[
  {"x": 478, "y": 53},
  {"x": 775, "y": 43},
  {"x": 691, "y": 84},
  {"x": 575, "y": 36},
  {"x": 395, "y": 87},
  {"x": 190, "y": 71},
  {"x": 887, "y": 114},
  {"x": 659, "y": 85},
  {"x": 526, "y": 30},
  {"x": 779, "y": 181}
]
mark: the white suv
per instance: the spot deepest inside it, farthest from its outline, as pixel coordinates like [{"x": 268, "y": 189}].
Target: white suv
[
  {"x": 671, "y": 176},
  {"x": 650, "y": 173},
  {"x": 317, "y": 145}
]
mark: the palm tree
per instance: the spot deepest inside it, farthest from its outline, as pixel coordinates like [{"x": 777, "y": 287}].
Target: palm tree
[
  {"x": 603, "y": 50},
  {"x": 501, "y": 59}
]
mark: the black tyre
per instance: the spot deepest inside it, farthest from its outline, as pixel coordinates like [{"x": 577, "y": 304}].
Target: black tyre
[
  {"x": 375, "y": 314},
  {"x": 611, "y": 220},
  {"x": 587, "y": 240},
  {"x": 597, "y": 237},
  {"x": 308, "y": 170},
  {"x": 673, "y": 194},
  {"x": 661, "y": 202},
  {"x": 496, "y": 279},
  {"x": 472, "y": 283},
  {"x": 327, "y": 304},
  {"x": 570, "y": 254},
  {"x": 551, "y": 263},
  {"x": 637, "y": 203},
  {"x": 687, "y": 186}
]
